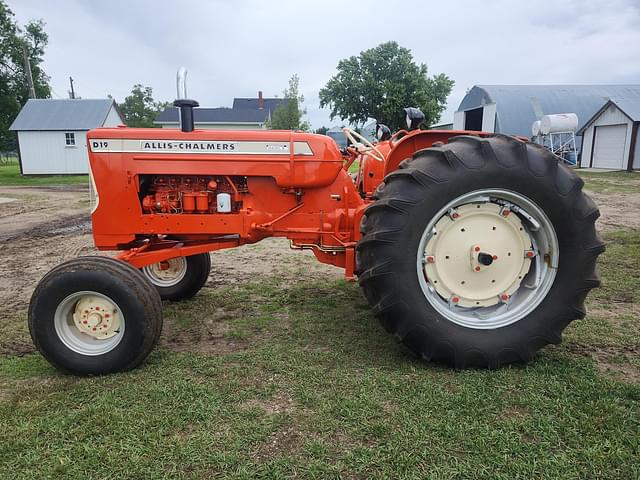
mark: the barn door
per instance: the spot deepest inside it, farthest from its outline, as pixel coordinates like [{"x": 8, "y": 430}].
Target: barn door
[{"x": 608, "y": 151}]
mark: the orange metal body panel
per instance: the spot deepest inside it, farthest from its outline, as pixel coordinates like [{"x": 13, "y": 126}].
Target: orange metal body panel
[{"x": 302, "y": 194}]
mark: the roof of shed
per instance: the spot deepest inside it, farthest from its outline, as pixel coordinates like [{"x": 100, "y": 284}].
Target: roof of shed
[
  {"x": 215, "y": 115},
  {"x": 518, "y": 106},
  {"x": 629, "y": 106},
  {"x": 53, "y": 114}
]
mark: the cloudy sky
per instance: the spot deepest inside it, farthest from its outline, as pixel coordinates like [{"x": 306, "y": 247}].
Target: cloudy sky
[{"x": 235, "y": 48}]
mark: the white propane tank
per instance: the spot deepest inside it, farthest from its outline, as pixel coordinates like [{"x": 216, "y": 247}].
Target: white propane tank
[
  {"x": 560, "y": 122},
  {"x": 535, "y": 128},
  {"x": 223, "y": 201}
]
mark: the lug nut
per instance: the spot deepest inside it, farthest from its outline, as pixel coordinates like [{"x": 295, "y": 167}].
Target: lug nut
[
  {"x": 504, "y": 297},
  {"x": 477, "y": 269},
  {"x": 506, "y": 212},
  {"x": 431, "y": 259},
  {"x": 495, "y": 257},
  {"x": 477, "y": 249},
  {"x": 455, "y": 215},
  {"x": 529, "y": 254},
  {"x": 455, "y": 299}
]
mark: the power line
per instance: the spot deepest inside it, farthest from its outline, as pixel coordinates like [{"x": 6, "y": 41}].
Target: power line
[{"x": 27, "y": 68}]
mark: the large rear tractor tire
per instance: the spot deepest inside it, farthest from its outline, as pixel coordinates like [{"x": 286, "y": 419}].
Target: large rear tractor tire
[
  {"x": 479, "y": 252},
  {"x": 179, "y": 278},
  {"x": 95, "y": 315}
]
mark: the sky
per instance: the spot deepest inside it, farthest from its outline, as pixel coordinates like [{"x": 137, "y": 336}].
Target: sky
[{"x": 235, "y": 48}]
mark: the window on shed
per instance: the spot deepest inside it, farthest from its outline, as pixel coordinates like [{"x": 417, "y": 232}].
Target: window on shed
[{"x": 70, "y": 139}]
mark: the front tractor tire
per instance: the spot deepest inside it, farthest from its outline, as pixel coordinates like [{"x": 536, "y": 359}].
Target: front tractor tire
[
  {"x": 179, "y": 278},
  {"x": 479, "y": 252},
  {"x": 95, "y": 315}
]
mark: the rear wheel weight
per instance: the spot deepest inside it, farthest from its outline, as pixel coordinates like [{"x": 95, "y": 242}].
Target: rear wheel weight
[
  {"x": 179, "y": 278},
  {"x": 95, "y": 315},
  {"x": 414, "y": 281}
]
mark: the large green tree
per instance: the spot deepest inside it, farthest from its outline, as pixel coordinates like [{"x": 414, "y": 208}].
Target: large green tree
[
  {"x": 139, "y": 109},
  {"x": 379, "y": 83},
  {"x": 288, "y": 115},
  {"x": 14, "y": 88}
]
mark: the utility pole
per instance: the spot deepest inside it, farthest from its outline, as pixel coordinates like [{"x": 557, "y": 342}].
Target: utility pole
[
  {"x": 72, "y": 93},
  {"x": 27, "y": 68}
]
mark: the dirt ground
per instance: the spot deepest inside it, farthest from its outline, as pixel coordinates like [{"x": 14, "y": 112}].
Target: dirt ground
[
  {"x": 42, "y": 226},
  {"x": 618, "y": 211}
]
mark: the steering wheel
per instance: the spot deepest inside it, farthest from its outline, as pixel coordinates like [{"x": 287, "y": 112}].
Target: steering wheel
[{"x": 363, "y": 145}]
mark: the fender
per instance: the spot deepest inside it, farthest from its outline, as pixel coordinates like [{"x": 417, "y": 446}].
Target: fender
[{"x": 409, "y": 144}]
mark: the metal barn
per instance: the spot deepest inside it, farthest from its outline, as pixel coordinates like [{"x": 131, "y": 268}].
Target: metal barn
[{"x": 512, "y": 109}]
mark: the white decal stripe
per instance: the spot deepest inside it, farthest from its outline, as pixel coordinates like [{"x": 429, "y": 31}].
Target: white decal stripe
[{"x": 208, "y": 147}]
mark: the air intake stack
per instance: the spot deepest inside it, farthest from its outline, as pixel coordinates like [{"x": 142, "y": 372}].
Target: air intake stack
[{"x": 185, "y": 105}]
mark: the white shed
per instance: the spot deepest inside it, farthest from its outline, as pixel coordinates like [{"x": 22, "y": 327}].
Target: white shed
[
  {"x": 52, "y": 134},
  {"x": 610, "y": 136}
]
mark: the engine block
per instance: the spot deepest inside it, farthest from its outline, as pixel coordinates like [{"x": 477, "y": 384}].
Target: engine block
[{"x": 178, "y": 194}]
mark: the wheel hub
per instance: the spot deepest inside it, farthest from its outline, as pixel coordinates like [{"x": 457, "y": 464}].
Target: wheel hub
[
  {"x": 477, "y": 255},
  {"x": 166, "y": 273},
  {"x": 97, "y": 317}
]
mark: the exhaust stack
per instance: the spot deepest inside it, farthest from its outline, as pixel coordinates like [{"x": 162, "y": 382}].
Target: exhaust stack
[{"x": 183, "y": 103}]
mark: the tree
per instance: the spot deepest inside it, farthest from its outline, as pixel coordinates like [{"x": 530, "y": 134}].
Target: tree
[
  {"x": 288, "y": 115},
  {"x": 140, "y": 109},
  {"x": 379, "y": 83},
  {"x": 321, "y": 131},
  {"x": 14, "y": 89}
]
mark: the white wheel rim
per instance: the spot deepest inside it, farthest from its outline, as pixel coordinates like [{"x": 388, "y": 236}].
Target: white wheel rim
[
  {"x": 503, "y": 229},
  {"x": 167, "y": 273},
  {"x": 89, "y": 323}
]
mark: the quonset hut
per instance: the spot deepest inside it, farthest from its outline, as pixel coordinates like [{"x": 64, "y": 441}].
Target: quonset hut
[{"x": 512, "y": 109}]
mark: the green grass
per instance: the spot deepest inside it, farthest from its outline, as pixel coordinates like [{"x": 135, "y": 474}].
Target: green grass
[
  {"x": 302, "y": 382},
  {"x": 611, "y": 182},
  {"x": 10, "y": 175}
]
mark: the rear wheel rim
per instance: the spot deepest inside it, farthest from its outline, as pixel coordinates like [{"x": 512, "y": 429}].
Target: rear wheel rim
[
  {"x": 167, "y": 273},
  {"x": 494, "y": 262},
  {"x": 89, "y": 323}
]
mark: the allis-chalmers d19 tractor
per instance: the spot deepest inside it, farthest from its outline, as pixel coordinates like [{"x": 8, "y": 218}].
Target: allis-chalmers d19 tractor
[{"x": 473, "y": 249}]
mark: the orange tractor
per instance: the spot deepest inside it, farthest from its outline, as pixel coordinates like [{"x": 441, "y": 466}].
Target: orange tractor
[{"x": 473, "y": 249}]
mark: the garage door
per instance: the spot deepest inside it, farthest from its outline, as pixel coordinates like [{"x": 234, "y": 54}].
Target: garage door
[{"x": 608, "y": 150}]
